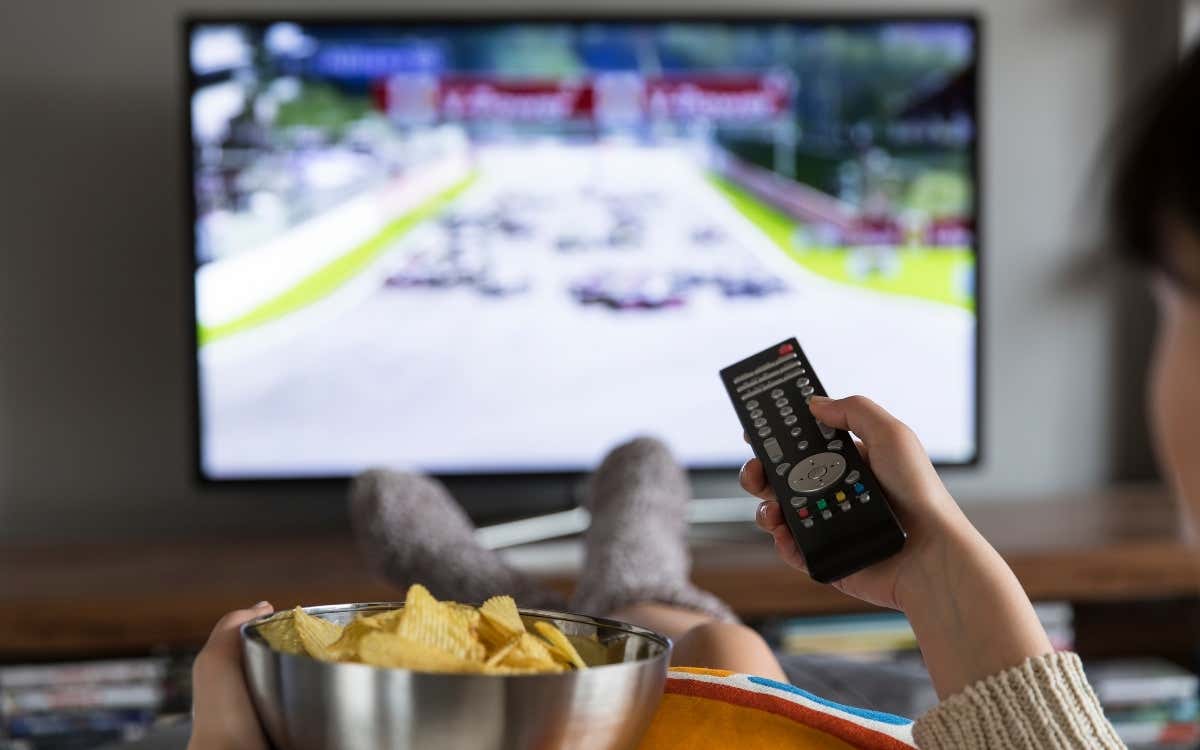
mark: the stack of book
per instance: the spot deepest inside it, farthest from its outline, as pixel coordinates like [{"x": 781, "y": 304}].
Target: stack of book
[
  {"x": 887, "y": 635},
  {"x": 1152, "y": 703},
  {"x": 79, "y": 705}
]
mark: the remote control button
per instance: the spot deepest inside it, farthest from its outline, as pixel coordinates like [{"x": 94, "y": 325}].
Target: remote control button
[
  {"x": 789, "y": 368},
  {"x": 827, "y": 514},
  {"x": 759, "y": 422},
  {"x": 816, "y": 472},
  {"x": 786, "y": 411},
  {"x": 753, "y": 388},
  {"x": 821, "y": 504},
  {"x": 852, "y": 477},
  {"x": 834, "y": 445},
  {"x": 839, "y": 496},
  {"x": 844, "y": 506},
  {"x": 802, "y": 445},
  {"x": 858, "y": 487},
  {"x": 764, "y": 432},
  {"x": 756, "y": 413},
  {"x": 789, "y": 420},
  {"x": 782, "y": 468},
  {"x": 802, "y": 512},
  {"x": 797, "y": 431},
  {"x": 802, "y": 382},
  {"x": 781, "y": 402},
  {"x": 806, "y": 390},
  {"x": 864, "y": 497},
  {"x": 799, "y": 502},
  {"x": 751, "y": 404},
  {"x": 774, "y": 451},
  {"x": 827, "y": 432},
  {"x": 777, "y": 393},
  {"x": 808, "y": 522}
]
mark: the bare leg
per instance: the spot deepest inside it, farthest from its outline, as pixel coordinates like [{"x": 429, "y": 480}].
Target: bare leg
[{"x": 704, "y": 641}]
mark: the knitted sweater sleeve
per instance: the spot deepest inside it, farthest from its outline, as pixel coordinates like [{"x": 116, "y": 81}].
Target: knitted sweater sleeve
[{"x": 1044, "y": 703}]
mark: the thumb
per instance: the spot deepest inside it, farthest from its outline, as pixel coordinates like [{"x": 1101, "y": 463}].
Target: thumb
[{"x": 858, "y": 414}]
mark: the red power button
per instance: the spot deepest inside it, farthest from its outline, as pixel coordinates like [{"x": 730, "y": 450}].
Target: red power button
[{"x": 785, "y": 349}]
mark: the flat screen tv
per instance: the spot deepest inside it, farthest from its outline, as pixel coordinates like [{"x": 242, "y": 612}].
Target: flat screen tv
[{"x": 487, "y": 247}]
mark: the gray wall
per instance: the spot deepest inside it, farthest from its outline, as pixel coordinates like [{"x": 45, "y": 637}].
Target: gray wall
[{"x": 94, "y": 437}]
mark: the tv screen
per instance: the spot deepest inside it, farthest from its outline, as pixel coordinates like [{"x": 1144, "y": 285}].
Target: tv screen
[{"x": 501, "y": 247}]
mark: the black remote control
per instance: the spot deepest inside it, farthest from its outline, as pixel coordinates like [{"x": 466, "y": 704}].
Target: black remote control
[{"x": 832, "y": 503}]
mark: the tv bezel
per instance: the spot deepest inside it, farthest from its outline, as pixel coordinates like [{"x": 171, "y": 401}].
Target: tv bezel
[{"x": 570, "y": 478}]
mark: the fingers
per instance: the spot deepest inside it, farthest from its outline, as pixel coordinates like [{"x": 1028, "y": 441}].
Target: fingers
[
  {"x": 858, "y": 414},
  {"x": 769, "y": 516},
  {"x": 224, "y": 636},
  {"x": 862, "y": 450},
  {"x": 754, "y": 480}
]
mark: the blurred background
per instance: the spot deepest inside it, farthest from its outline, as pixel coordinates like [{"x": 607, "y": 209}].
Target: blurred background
[{"x": 104, "y": 299}]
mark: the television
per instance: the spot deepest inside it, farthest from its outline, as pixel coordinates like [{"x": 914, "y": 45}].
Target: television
[{"x": 498, "y": 247}]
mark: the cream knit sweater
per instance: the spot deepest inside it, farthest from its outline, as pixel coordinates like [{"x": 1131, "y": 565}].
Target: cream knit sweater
[{"x": 1043, "y": 704}]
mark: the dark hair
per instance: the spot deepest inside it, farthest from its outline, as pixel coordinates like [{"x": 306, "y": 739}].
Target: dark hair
[{"x": 1157, "y": 174}]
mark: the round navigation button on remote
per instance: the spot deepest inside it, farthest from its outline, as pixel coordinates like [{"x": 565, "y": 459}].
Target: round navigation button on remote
[
  {"x": 815, "y": 473},
  {"x": 852, "y": 477},
  {"x": 802, "y": 445}
]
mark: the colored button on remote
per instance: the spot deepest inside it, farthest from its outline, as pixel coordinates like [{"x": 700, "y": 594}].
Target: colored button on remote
[
  {"x": 802, "y": 512},
  {"x": 858, "y": 487}
]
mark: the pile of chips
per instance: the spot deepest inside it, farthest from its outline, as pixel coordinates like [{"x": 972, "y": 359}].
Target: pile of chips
[{"x": 432, "y": 636}]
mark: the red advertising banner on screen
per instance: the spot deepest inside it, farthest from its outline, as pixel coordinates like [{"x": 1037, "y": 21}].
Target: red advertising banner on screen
[
  {"x": 423, "y": 98},
  {"x": 727, "y": 98}
]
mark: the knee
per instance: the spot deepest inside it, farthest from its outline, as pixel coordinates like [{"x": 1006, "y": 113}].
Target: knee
[{"x": 719, "y": 636}]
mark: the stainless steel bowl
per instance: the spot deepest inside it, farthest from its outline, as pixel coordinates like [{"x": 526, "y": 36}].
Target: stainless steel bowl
[{"x": 306, "y": 704}]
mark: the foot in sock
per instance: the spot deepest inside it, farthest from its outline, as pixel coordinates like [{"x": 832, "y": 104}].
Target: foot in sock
[
  {"x": 636, "y": 544},
  {"x": 412, "y": 531}
]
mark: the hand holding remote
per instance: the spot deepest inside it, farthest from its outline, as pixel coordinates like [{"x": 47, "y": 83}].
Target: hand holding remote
[
  {"x": 900, "y": 463},
  {"x": 971, "y": 617}
]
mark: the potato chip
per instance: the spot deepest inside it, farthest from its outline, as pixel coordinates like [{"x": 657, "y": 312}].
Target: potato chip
[
  {"x": 280, "y": 633},
  {"x": 531, "y": 653},
  {"x": 559, "y": 645},
  {"x": 389, "y": 620},
  {"x": 345, "y": 648},
  {"x": 439, "y": 626},
  {"x": 432, "y": 636},
  {"x": 381, "y": 649},
  {"x": 503, "y": 651},
  {"x": 500, "y": 621},
  {"x": 316, "y": 633},
  {"x": 593, "y": 652}
]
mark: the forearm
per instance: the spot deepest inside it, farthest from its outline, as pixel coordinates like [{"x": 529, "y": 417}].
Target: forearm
[{"x": 970, "y": 615}]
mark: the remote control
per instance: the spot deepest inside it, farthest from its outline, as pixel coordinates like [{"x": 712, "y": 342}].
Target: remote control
[{"x": 832, "y": 503}]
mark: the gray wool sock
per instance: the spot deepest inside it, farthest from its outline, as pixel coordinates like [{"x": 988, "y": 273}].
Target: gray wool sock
[
  {"x": 636, "y": 544},
  {"x": 412, "y": 531}
]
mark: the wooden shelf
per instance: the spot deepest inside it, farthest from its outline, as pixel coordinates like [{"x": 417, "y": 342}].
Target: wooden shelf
[{"x": 59, "y": 601}]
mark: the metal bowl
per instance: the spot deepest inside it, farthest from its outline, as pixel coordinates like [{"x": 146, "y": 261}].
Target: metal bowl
[{"x": 307, "y": 704}]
